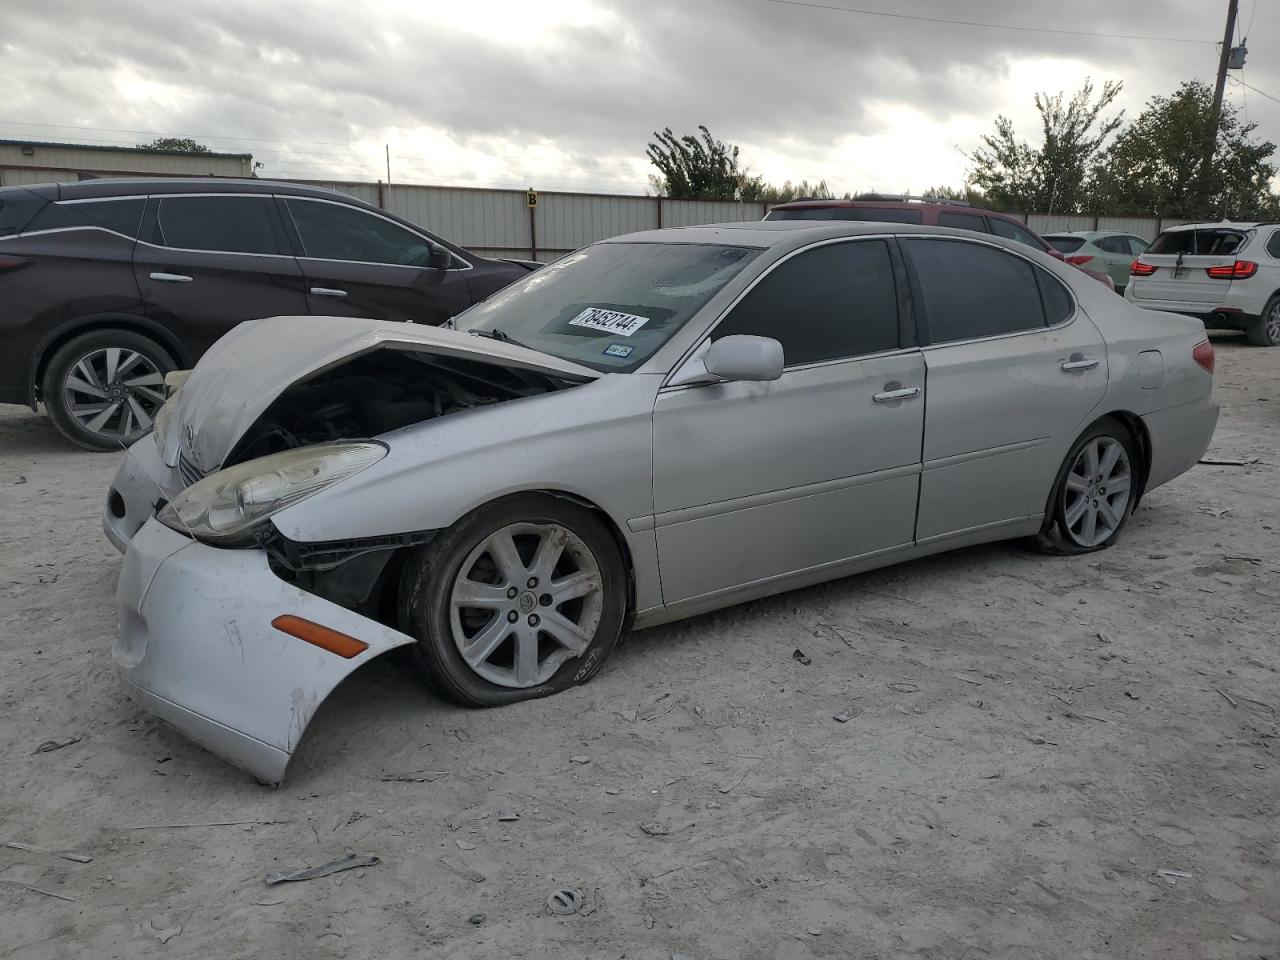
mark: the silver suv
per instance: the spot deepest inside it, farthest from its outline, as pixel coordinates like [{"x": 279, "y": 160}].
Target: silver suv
[{"x": 1227, "y": 274}]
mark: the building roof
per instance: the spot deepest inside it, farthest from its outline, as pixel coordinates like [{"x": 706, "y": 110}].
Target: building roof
[{"x": 124, "y": 149}]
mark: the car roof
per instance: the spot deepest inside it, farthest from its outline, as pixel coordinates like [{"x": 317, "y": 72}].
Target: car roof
[
  {"x": 788, "y": 233},
  {"x": 132, "y": 186},
  {"x": 893, "y": 203},
  {"x": 1089, "y": 234},
  {"x": 1220, "y": 225}
]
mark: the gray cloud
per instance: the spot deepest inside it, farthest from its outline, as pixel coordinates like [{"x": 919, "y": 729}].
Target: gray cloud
[{"x": 755, "y": 72}]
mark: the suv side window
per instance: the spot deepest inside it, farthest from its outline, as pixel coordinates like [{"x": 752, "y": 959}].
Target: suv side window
[
  {"x": 829, "y": 303},
  {"x": 332, "y": 231},
  {"x": 1273, "y": 244},
  {"x": 1112, "y": 244},
  {"x": 17, "y": 207},
  {"x": 1011, "y": 231},
  {"x": 118, "y": 216},
  {"x": 971, "y": 290},
  {"x": 228, "y": 224},
  {"x": 965, "y": 221},
  {"x": 1137, "y": 246}
]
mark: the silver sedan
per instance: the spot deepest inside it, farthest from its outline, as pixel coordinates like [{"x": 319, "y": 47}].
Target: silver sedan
[{"x": 655, "y": 426}]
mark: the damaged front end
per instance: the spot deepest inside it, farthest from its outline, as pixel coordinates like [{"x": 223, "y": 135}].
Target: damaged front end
[{"x": 276, "y": 412}]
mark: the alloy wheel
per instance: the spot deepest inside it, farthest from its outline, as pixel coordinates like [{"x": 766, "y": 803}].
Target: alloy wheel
[
  {"x": 114, "y": 392},
  {"x": 1097, "y": 491},
  {"x": 1273, "y": 324},
  {"x": 527, "y": 598}
]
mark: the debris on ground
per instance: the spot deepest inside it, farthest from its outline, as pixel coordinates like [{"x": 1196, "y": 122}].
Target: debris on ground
[
  {"x": 460, "y": 871},
  {"x": 1037, "y": 739},
  {"x": 579, "y": 759},
  {"x": 656, "y": 829},
  {"x": 1226, "y": 696},
  {"x": 798, "y": 656},
  {"x": 565, "y": 902},
  {"x": 904, "y": 686},
  {"x": 1228, "y": 461},
  {"x": 848, "y": 713},
  {"x": 350, "y": 862},
  {"x": 1173, "y": 876},
  {"x": 476, "y": 919},
  {"x": 51, "y": 745},
  {"x": 32, "y": 848},
  {"x": 463, "y": 845},
  {"x": 162, "y": 933},
  {"x": 424, "y": 776},
  {"x": 47, "y": 893},
  {"x": 506, "y": 816}
]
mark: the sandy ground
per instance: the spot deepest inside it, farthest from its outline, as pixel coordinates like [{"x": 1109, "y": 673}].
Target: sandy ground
[{"x": 1032, "y": 741}]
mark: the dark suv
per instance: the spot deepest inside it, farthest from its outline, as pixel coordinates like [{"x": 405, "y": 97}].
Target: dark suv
[
  {"x": 107, "y": 285},
  {"x": 931, "y": 213}
]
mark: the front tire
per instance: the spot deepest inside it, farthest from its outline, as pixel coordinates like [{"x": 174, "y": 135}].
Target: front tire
[
  {"x": 103, "y": 389},
  {"x": 1095, "y": 491},
  {"x": 1264, "y": 330},
  {"x": 518, "y": 599}
]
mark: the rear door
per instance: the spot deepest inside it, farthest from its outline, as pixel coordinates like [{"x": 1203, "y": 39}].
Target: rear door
[
  {"x": 360, "y": 264},
  {"x": 1015, "y": 371},
  {"x": 1116, "y": 257},
  {"x": 1182, "y": 259},
  {"x": 206, "y": 262}
]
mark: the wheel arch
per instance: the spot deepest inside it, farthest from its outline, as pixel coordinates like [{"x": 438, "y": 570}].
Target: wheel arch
[
  {"x": 54, "y": 339},
  {"x": 1137, "y": 429}
]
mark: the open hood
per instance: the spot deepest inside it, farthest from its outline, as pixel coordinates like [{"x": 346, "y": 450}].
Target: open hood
[{"x": 249, "y": 368}]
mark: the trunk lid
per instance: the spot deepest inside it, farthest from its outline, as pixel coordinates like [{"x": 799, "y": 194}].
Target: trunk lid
[
  {"x": 246, "y": 370},
  {"x": 1182, "y": 259}
]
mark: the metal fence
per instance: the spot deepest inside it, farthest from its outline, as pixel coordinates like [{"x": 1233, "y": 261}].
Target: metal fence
[{"x": 501, "y": 223}]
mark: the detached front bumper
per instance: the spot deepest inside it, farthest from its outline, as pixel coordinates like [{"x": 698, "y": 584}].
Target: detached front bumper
[
  {"x": 197, "y": 648},
  {"x": 142, "y": 484}
]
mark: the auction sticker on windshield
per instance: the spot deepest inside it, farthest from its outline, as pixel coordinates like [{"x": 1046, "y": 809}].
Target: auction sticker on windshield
[{"x": 610, "y": 321}]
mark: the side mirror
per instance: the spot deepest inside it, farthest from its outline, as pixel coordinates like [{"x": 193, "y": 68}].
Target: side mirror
[
  {"x": 440, "y": 258},
  {"x": 742, "y": 357}
]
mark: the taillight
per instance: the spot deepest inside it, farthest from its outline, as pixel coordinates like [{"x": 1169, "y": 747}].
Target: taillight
[
  {"x": 1140, "y": 269},
  {"x": 12, "y": 263},
  {"x": 1203, "y": 355},
  {"x": 1233, "y": 271},
  {"x": 1079, "y": 259}
]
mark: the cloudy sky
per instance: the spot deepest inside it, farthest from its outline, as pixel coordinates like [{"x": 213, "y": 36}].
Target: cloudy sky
[{"x": 563, "y": 94}]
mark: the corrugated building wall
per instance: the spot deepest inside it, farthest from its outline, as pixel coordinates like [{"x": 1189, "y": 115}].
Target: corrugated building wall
[{"x": 35, "y": 161}]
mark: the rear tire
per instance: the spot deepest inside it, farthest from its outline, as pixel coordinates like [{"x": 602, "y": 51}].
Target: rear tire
[
  {"x": 1264, "y": 330},
  {"x": 102, "y": 389},
  {"x": 491, "y": 598},
  {"x": 1094, "y": 493}
]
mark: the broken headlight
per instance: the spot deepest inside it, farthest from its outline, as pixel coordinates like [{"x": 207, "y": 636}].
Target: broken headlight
[{"x": 226, "y": 506}]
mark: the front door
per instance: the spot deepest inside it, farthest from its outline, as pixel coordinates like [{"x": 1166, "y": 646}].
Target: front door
[
  {"x": 359, "y": 264},
  {"x": 754, "y": 482},
  {"x": 1015, "y": 373},
  {"x": 206, "y": 263}
]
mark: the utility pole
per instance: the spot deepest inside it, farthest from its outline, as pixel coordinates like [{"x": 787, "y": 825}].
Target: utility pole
[
  {"x": 1215, "y": 115},
  {"x": 388, "y": 146}
]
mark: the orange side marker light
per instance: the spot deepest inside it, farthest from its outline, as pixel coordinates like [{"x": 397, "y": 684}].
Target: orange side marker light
[{"x": 322, "y": 637}]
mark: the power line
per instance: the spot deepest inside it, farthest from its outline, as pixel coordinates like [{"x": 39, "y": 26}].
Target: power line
[
  {"x": 976, "y": 23},
  {"x": 1261, "y": 93}
]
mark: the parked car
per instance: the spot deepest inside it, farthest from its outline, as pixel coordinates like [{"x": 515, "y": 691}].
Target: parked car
[
  {"x": 747, "y": 408},
  {"x": 928, "y": 212},
  {"x": 1108, "y": 250},
  {"x": 106, "y": 285},
  {"x": 1227, "y": 274}
]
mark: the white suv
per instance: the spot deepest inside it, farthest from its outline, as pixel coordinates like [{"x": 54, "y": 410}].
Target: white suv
[{"x": 1227, "y": 274}]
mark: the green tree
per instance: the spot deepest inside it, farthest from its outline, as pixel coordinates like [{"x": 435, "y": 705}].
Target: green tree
[
  {"x": 1053, "y": 176},
  {"x": 694, "y": 168},
  {"x": 179, "y": 144},
  {"x": 1151, "y": 168}
]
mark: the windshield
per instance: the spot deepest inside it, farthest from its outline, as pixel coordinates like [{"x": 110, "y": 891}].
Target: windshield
[
  {"x": 1065, "y": 244},
  {"x": 609, "y": 306}
]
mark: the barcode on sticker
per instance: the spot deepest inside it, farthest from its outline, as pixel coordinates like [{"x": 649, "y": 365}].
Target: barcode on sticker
[{"x": 610, "y": 321}]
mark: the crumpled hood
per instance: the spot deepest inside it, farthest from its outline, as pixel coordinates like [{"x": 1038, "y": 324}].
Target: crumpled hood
[{"x": 241, "y": 374}]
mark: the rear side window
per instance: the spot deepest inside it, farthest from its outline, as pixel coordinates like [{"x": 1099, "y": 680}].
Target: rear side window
[
  {"x": 972, "y": 290},
  {"x": 1137, "y": 246},
  {"x": 1011, "y": 231},
  {"x": 217, "y": 224},
  {"x": 965, "y": 221},
  {"x": 882, "y": 214},
  {"x": 1213, "y": 243},
  {"x": 1113, "y": 245},
  {"x": 119, "y": 216},
  {"x": 1064, "y": 244},
  {"x": 332, "y": 231},
  {"x": 17, "y": 207},
  {"x": 828, "y": 303},
  {"x": 1273, "y": 245}
]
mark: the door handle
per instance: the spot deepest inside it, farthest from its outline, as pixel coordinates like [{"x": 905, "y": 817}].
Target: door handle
[
  {"x": 171, "y": 277},
  {"x": 1079, "y": 361},
  {"x": 903, "y": 393},
  {"x": 327, "y": 292}
]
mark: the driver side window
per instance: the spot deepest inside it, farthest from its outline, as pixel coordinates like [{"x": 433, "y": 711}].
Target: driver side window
[{"x": 331, "y": 231}]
